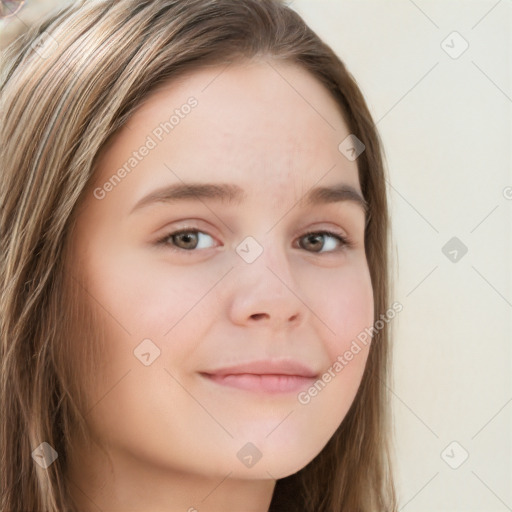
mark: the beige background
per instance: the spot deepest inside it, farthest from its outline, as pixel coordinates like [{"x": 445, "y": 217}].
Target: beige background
[{"x": 446, "y": 127}]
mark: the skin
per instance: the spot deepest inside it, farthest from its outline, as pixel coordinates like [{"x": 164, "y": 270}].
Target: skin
[{"x": 173, "y": 436}]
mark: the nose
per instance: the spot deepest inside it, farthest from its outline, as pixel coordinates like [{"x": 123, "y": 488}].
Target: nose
[{"x": 265, "y": 292}]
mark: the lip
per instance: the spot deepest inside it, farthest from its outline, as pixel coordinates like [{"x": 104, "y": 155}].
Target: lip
[{"x": 270, "y": 376}]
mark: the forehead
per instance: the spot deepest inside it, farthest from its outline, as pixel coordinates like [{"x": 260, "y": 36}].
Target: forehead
[{"x": 272, "y": 128}]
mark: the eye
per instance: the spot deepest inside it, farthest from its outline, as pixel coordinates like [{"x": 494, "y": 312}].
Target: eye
[
  {"x": 315, "y": 239},
  {"x": 186, "y": 240}
]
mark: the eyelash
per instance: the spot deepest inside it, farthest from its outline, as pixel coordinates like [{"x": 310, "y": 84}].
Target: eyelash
[{"x": 345, "y": 241}]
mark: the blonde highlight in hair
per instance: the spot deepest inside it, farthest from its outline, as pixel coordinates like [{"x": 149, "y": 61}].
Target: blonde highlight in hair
[{"x": 57, "y": 115}]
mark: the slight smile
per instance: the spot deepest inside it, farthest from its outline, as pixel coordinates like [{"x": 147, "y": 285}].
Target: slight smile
[{"x": 270, "y": 376}]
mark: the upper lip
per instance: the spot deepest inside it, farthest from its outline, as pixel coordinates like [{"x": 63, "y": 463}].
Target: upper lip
[{"x": 267, "y": 367}]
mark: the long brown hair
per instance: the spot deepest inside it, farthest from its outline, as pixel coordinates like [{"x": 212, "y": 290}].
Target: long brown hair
[{"x": 60, "y": 103}]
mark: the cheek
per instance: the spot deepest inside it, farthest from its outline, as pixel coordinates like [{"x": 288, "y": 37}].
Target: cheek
[
  {"x": 346, "y": 308},
  {"x": 146, "y": 297}
]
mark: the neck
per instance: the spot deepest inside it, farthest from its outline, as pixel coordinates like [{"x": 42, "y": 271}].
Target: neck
[{"x": 134, "y": 484}]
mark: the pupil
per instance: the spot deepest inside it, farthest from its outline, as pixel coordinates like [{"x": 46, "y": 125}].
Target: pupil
[
  {"x": 313, "y": 237},
  {"x": 187, "y": 238}
]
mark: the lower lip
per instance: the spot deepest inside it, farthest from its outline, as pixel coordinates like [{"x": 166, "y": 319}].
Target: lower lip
[{"x": 263, "y": 383}]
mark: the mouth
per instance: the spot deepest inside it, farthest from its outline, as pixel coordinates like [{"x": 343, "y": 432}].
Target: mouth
[
  {"x": 262, "y": 383},
  {"x": 270, "y": 376}
]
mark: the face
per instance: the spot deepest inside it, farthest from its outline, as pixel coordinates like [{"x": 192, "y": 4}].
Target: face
[{"x": 191, "y": 286}]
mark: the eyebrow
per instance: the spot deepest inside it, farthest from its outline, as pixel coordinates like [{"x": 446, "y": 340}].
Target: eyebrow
[{"x": 233, "y": 194}]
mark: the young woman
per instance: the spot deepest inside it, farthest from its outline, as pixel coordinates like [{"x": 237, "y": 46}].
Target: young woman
[{"x": 194, "y": 273}]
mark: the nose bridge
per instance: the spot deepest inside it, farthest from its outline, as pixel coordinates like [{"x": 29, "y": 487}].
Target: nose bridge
[
  {"x": 265, "y": 287},
  {"x": 265, "y": 284},
  {"x": 266, "y": 255}
]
